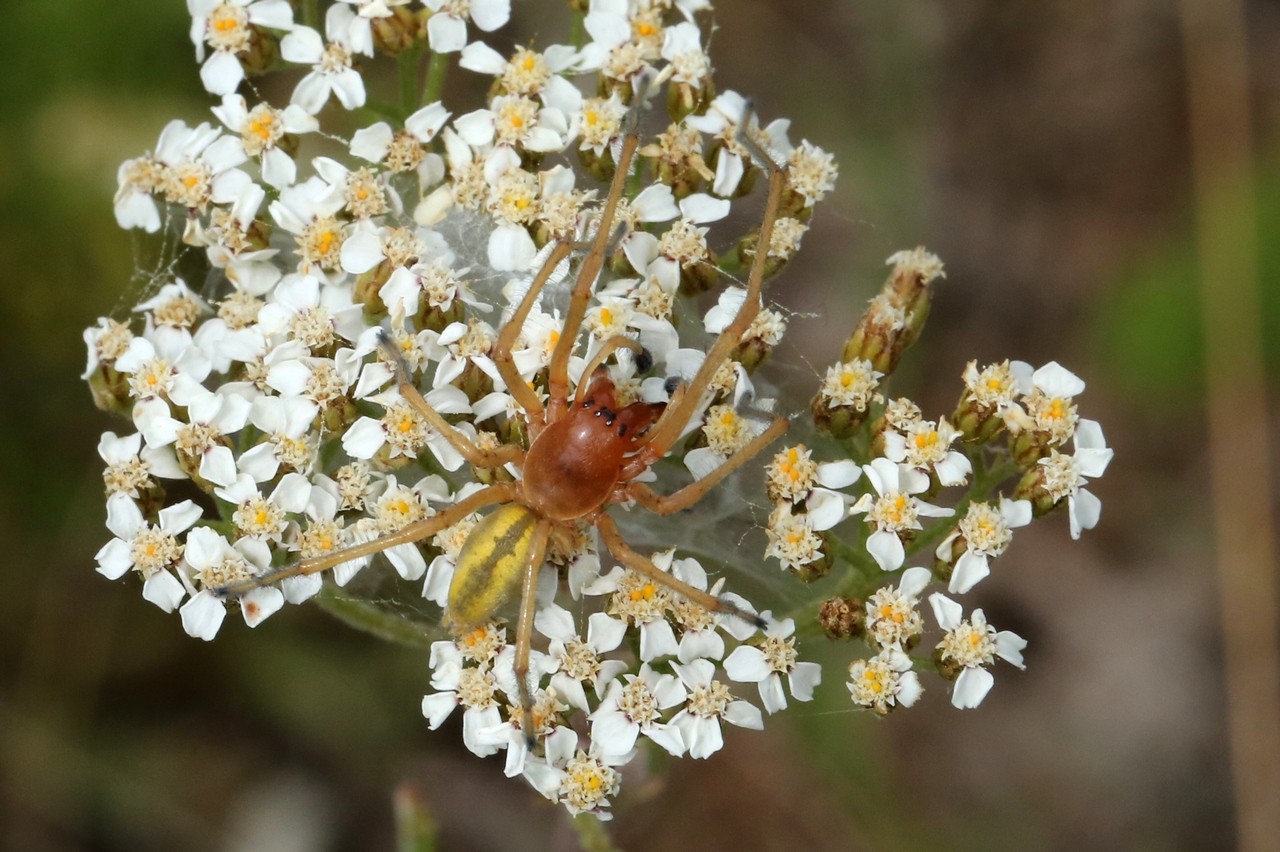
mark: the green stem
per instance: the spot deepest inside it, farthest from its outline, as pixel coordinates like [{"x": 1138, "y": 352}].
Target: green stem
[
  {"x": 408, "y": 63},
  {"x": 437, "y": 70},
  {"x": 416, "y": 829},
  {"x": 310, "y": 15},
  {"x": 578, "y": 30},
  {"x": 383, "y": 110},
  {"x": 367, "y": 617},
  {"x": 592, "y": 836}
]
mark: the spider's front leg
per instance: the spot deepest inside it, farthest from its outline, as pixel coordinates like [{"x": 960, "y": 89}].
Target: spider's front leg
[
  {"x": 524, "y": 395},
  {"x": 678, "y": 414},
  {"x": 558, "y": 372},
  {"x": 691, "y": 493},
  {"x": 415, "y": 531},
  {"x": 641, "y": 565},
  {"x": 463, "y": 445},
  {"x": 613, "y": 344}
]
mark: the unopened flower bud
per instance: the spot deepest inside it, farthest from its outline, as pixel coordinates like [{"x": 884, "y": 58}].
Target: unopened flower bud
[
  {"x": 599, "y": 166},
  {"x": 818, "y": 568},
  {"x": 699, "y": 277},
  {"x": 368, "y": 285},
  {"x": 110, "y": 389},
  {"x": 845, "y": 397},
  {"x": 836, "y": 421},
  {"x": 948, "y": 668},
  {"x": 399, "y": 31},
  {"x": 841, "y": 618},
  {"x": 339, "y": 414},
  {"x": 1028, "y": 448},
  {"x": 1032, "y": 487},
  {"x": 261, "y": 54},
  {"x": 678, "y": 161},
  {"x": 895, "y": 317},
  {"x": 684, "y": 98}
]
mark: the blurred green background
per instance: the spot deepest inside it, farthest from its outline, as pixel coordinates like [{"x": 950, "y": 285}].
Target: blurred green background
[{"x": 1040, "y": 148}]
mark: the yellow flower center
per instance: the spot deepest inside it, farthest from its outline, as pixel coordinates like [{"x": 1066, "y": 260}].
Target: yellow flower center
[{"x": 645, "y": 592}]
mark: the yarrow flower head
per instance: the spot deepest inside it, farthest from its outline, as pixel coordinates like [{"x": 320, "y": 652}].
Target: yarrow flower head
[
  {"x": 894, "y": 511},
  {"x": 490, "y": 342},
  {"x": 983, "y": 534},
  {"x": 884, "y": 682},
  {"x": 968, "y": 647}
]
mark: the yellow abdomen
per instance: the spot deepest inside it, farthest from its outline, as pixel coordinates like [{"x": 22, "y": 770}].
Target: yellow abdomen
[{"x": 490, "y": 565}]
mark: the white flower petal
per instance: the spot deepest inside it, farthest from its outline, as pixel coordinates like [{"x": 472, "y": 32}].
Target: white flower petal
[
  {"x": 1084, "y": 510},
  {"x": 221, "y": 73},
  {"x": 163, "y": 590},
  {"x": 437, "y": 706},
  {"x": 746, "y": 665},
  {"x": 701, "y": 208},
  {"x": 971, "y": 568},
  {"x": 914, "y": 580},
  {"x": 803, "y": 679},
  {"x": 971, "y": 687},
  {"x": 946, "y": 612},
  {"x": 203, "y": 615},
  {"x": 114, "y": 559},
  {"x": 296, "y": 590},
  {"x": 511, "y": 249},
  {"x": 886, "y": 549},
  {"x": 260, "y": 603},
  {"x": 839, "y": 474},
  {"x": 364, "y": 438},
  {"x": 488, "y": 15}
]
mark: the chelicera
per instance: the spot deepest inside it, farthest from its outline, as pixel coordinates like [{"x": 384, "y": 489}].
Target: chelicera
[{"x": 584, "y": 455}]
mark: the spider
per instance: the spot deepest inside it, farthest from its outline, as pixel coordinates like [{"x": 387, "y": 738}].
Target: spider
[{"x": 584, "y": 454}]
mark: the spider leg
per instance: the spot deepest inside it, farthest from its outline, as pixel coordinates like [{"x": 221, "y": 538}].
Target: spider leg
[
  {"x": 610, "y": 346},
  {"x": 667, "y": 430},
  {"x": 524, "y": 627},
  {"x": 558, "y": 378},
  {"x": 641, "y": 565},
  {"x": 691, "y": 493},
  {"x": 415, "y": 531},
  {"x": 523, "y": 394},
  {"x": 457, "y": 439}
]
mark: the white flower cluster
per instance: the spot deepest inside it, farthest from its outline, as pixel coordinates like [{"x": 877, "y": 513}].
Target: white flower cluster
[
  {"x": 666, "y": 692},
  {"x": 259, "y": 394},
  {"x": 916, "y": 458}
]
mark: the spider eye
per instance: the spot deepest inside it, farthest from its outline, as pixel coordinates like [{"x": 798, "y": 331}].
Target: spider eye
[
  {"x": 671, "y": 384},
  {"x": 644, "y": 361}
]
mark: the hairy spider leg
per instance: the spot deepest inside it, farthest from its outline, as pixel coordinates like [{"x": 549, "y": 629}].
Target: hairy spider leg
[
  {"x": 457, "y": 439},
  {"x": 694, "y": 491},
  {"x": 416, "y": 531},
  {"x": 524, "y": 395},
  {"x": 524, "y": 627},
  {"x": 624, "y": 553},
  {"x": 678, "y": 414},
  {"x": 558, "y": 373}
]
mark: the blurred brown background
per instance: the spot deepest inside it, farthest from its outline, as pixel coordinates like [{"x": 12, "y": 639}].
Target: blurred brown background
[{"x": 1040, "y": 148}]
